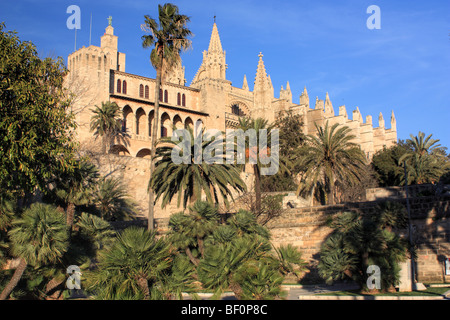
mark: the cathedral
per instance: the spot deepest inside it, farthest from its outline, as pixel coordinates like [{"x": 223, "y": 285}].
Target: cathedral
[{"x": 98, "y": 74}]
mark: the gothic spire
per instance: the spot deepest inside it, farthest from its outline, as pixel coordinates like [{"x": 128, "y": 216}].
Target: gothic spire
[
  {"x": 245, "y": 83},
  {"x": 214, "y": 43},
  {"x": 261, "y": 80}
]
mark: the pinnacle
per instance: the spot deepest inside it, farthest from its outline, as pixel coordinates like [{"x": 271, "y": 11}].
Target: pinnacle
[
  {"x": 214, "y": 43},
  {"x": 261, "y": 75}
]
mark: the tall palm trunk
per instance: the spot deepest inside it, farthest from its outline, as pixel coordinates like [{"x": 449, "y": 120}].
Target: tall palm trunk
[
  {"x": 257, "y": 188},
  {"x": 331, "y": 192},
  {"x": 151, "y": 196},
  {"x": 14, "y": 280},
  {"x": 104, "y": 144},
  {"x": 70, "y": 212}
]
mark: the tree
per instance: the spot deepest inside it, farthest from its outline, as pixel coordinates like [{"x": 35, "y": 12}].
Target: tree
[
  {"x": 426, "y": 162},
  {"x": 233, "y": 254},
  {"x": 385, "y": 163},
  {"x": 112, "y": 200},
  {"x": 253, "y": 151},
  {"x": 238, "y": 257},
  {"x": 291, "y": 139},
  {"x": 192, "y": 178},
  {"x": 39, "y": 237},
  {"x": 106, "y": 123},
  {"x": 290, "y": 260},
  {"x": 35, "y": 125},
  {"x": 328, "y": 158},
  {"x": 190, "y": 231},
  {"x": 131, "y": 266},
  {"x": 362, "y": 240},
  {"x": 74, "y": 189},
  {"x": 169, "y": 38}
]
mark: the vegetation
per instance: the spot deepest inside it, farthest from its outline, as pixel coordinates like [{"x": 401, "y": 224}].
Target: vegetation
[
  {"x": 291, "y": 136},
  {"x": 56, "y": 210},
  {"x": 426, "y": 162},
  {"x": 291, "y": 139},
  {"x": 40, "y": 237},
  {"x": 330, "y": 158},
  {"x": 36, "y": 129},
  {"x": 230, "y": 254},
  {"x": 255, "y": 152},
  {"x": 359, "y": 241},
  {"x": 169, "y": 38},
  {"x": 191, "y": 178},
  {"x": 107, "y": 124}
]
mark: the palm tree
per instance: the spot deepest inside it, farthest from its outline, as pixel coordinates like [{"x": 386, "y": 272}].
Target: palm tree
[
  {"x": 7, "y": 208},
  {"x": 424, "y": 163},
  {"x": 112, "y": 200},
  {"x": 75, "y": 188},
  {"x": 362, "y": 240},
  {"x": 38, "y": 238},
  {"x": 329, "y": 157},
  {"x": 129, "y": 268},
  {"x": 106, "y": 123},
  {"x": 190, "y": 178},
  {"x": 290, "y": 260},
  {"x": 169, "y": 38},
  {"x": 189, "y": 231},
  {"x": 258, "y": 125}
]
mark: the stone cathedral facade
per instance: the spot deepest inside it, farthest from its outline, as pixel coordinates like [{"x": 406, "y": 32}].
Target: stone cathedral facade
[{"x": 98, "y": 74}]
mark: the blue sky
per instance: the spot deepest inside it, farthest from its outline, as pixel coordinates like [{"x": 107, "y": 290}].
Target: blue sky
[{"x": 323, "y": 45}]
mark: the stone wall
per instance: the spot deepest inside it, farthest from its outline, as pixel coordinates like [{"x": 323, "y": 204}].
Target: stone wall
[{"x": 307, "y": 228}]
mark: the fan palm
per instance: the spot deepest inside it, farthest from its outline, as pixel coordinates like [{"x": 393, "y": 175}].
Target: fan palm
[
  {"x": 112, "y": 200},
  {"x": 128, "y": 269},
  {"x": 190, "y": 230},
  {"x": 190, "y": 178},
  {"x": 106, "y": 123},
  {"x": 329, "y": 157},
  {"x": 217, "y": 270},
  {"x": 38, "y": 238},
  {"x": 169, "y": 38},
  {"x": 290, "y": 260},
  {"x": 359, "y": 241},
  {"x": 75, "y": 188}
]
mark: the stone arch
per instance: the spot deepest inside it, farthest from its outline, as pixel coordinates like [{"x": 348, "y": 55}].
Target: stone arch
[
  {"x": 151, "y": 117},
  {"x": 141, "y": 125},
  {"x": 119, "y": 149},
  {"x": 239, "y": 108},
  {"x": 177, "y": 122},
  {"x": 144, "y": 153},
  {"x": 188, "y": 123},
  {"x": 166, "y": 125},
  {"x": 127, "y": 122}
]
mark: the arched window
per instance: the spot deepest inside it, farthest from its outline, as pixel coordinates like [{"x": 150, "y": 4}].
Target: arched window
[
  {"x": 124, "y": 87},
  {"x": 235, "y": 110},
  {"x": 160, "y": 95},
  {"x": 166, "y": 96},
  {"x": 141, "y": 91},
  {"x": 178, "y": 99},
  {"x": 119, "y": 86},
  {"x": 163, "y": 132},
  {"x": 183, "y": 100},
  {"x": 146, "y": 92}
]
